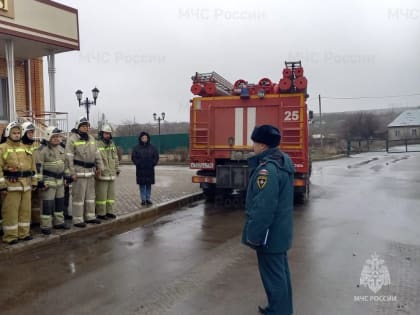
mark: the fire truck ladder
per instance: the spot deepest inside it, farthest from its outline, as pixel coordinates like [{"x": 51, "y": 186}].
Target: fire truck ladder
[
  {"x": 223, "y": 86},
  {"x": 293, "y": 64},
  {"x": 200, "y": 132}
]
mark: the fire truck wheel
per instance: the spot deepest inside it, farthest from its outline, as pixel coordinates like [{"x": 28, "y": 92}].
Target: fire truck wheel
[
  {"x": 302, "y": 197},
  {"x": 237, "y": 203},
  {"x": 218, "y": 200},
  {"x": 228, "y": 203}
]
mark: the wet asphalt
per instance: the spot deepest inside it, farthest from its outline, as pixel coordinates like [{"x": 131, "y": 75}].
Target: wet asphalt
[{"x": 191, "y": 260}]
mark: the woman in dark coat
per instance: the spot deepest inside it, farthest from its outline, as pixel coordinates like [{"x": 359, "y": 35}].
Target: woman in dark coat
[{"x": 145, "y": 157}]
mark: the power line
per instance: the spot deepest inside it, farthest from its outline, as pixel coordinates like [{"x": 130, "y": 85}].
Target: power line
[{"x": 369, "y": 97}]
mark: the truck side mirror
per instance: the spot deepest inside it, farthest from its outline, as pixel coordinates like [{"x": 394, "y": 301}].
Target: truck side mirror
[{"x": 311, "y": 114}]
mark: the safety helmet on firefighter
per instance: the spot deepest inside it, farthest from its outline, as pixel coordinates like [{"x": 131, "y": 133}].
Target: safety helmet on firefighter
[
  {"x": 106, "y": 128},
  {"x": 27, "y": 126},
  {"x": 51, "y": 131},
  {"x": 80, "y": 121},
  {"x": 10, "y": 126}
]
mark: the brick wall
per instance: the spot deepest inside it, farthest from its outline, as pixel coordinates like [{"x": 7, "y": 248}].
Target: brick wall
[{"x": 37, "y": 79}]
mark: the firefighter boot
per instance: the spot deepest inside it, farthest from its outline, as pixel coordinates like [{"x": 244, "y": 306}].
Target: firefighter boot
[
  {"x": 27, "y": 238},
  {"x": 62, "y": 226},
  {"x": 94, "y": 221},
  {"x": 46, "y": 231}
]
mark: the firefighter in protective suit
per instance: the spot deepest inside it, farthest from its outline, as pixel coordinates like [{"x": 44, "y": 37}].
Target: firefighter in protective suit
[
  {"x": 83, "y": 163},
  {"x": 50, "y": 160},
  {"x": 104, "y": 186},
  {"x": 28, "y": 133},
  {"x": 17, "y": 176}
]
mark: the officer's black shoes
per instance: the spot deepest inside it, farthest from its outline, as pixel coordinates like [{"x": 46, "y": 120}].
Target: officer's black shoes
[
  {"x": 102, "y": 217},
  {"x": 149, "y": 202},
  {"x": 62, "y": 226},
  {"x": 94, "y": 221},
  {"x": 261, "y": 309},
  {"x": 27, "y": 238},
  {"x": 1, "y": 233},
  {"x": 111, "y": 216},
  {"x": 46, "y": 231},
  {"x": 143, "y": 202},
  {"x": 80, "y": 225},
  {"x": 13, "y": 242}
]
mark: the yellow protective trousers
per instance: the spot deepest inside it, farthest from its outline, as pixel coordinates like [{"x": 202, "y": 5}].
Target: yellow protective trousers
[
  {"x": 83, "y": 203},
  {"x": 16, "y": 212},
  {"x": 52, "y": 206},
  {"x": 105, "y": 196}
]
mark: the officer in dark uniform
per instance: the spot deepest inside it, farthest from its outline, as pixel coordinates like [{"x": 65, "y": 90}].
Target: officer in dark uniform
[{"x": 269, "y": 217}]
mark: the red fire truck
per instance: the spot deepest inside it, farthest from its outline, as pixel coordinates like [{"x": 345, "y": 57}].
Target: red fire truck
[{"x": 223, "y": 116}]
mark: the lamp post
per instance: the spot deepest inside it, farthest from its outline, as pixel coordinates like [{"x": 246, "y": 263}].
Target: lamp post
[
  {"x": 87, "y": 103},
  {"x": 159, "y": 118}
]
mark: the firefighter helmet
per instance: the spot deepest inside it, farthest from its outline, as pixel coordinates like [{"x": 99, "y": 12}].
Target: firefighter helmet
[
  {"x": 106, "y": 128},
  {"x": 80, "y": 121},
  {"x": 26, "y": 126},
  {"x": 10, "y": 126},
  {"x": 51, "y": 131}
]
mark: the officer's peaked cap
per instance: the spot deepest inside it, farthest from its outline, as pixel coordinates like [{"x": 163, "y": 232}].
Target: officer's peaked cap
[{"x": 266, "y": 134}]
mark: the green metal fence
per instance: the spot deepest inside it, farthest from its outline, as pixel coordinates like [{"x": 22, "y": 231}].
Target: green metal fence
[{"x": 166, "y": 143}]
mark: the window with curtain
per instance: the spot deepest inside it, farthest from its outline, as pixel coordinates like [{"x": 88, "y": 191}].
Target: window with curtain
[{"x": 4, "y": 103}]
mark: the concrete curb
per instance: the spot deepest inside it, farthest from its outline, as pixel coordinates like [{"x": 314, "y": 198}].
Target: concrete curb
[{"x": 41, "y": 241}]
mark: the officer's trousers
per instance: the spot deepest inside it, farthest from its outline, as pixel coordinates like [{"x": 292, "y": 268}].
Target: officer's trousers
[
  {"x": 275, "y": 276},
  {"x": 105, "y": 196},
  {"x": 83, "y": 203},
  {"x": 16, "y": 210},
  {"x": 52, "y": 206}
]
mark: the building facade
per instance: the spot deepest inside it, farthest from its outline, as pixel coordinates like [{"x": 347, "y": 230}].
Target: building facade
[{"x": 29, "y": 31}]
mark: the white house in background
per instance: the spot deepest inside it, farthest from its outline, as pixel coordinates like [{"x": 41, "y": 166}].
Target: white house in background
[{"x": 405, "y": 126}]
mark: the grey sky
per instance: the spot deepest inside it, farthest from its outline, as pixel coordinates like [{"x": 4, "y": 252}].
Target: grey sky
[{"x": 141, "y": 54}]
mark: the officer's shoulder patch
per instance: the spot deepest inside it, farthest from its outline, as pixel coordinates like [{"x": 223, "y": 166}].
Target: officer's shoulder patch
[{"x": 262, "y": 181}]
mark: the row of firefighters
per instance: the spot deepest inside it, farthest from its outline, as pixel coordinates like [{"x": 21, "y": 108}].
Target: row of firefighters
[{"x": 33, "y": 174}]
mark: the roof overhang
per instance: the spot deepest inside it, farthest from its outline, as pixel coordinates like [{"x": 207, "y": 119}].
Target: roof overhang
[{"x": 38, "y": 28}]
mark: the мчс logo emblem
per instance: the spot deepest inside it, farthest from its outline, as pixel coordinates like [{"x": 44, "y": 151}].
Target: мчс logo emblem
[{"x": 375, "y": 274}]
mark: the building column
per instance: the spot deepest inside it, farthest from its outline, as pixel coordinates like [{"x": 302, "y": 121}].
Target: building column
[
  {"x": 10, "y": 62},
  {"x": 29, "y": 85},
  {"x": 51, "y": 79}
]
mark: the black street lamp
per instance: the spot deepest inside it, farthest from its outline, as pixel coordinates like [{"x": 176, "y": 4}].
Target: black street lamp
[
  {"x": 159, "y": 118},
  {"x": 87, "y": 103}
]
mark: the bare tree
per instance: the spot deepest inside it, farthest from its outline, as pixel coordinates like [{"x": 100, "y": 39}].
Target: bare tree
[
  {"x": 130, "y": 128},
  {"x": 361, "y": 126}
]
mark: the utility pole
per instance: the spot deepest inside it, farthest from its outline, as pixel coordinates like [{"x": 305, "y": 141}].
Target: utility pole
[{"x": 320, "y": 122}]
